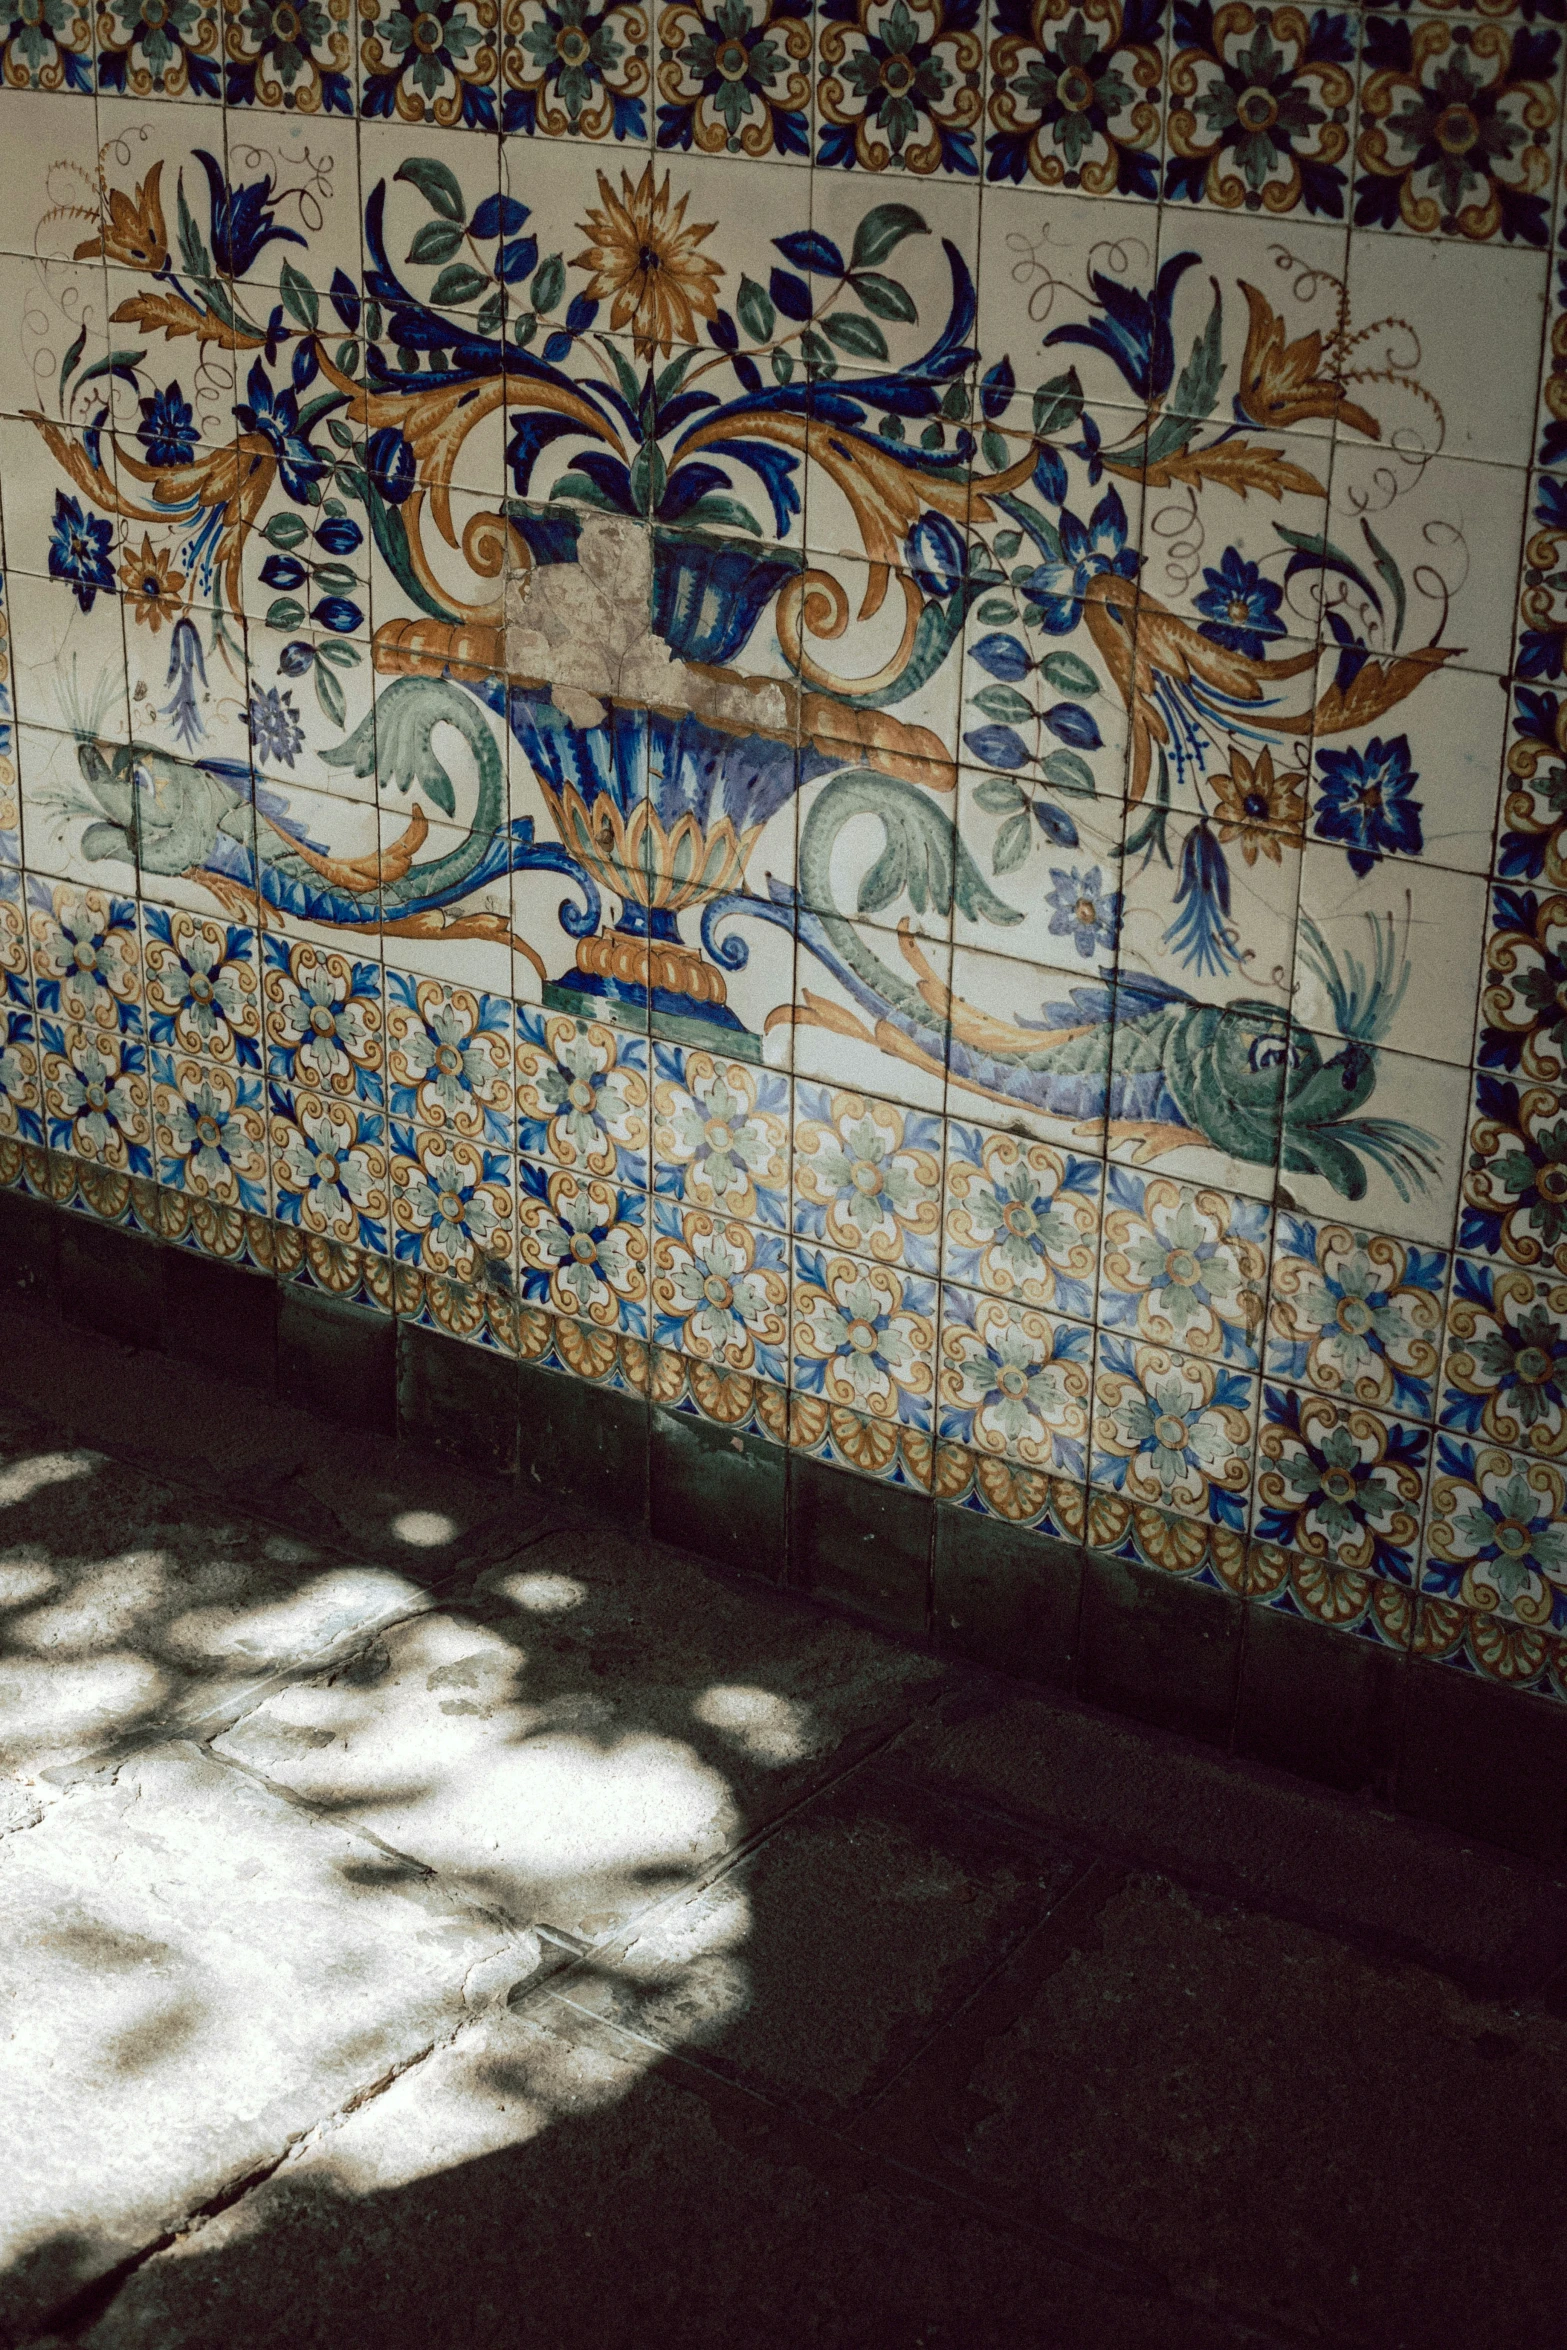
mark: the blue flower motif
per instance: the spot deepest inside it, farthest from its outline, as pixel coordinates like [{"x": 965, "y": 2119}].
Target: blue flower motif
[
  {"x": 274, "y": 417},
  {"x": 1242, "y": 607},
  {"x": 1134, "y": 331},
  {"x": 167, "y": 430},
  {"x": 79, "y": 549},
  {"x": 274, "y": 726},
  {"x": 186, "y": 665},
  {"x": 1364, "y": 801},
  {"x": 242, "y": 226},
  {"x": 1057, "y": 588},
  {"x": 1084, "y": 909},
  {"x": 1201, "y": 933},
  {"x": 390, "y": 463}
]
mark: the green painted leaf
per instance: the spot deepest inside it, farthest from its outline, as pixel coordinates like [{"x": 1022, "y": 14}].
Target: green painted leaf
[
  {"x": 724, "y": 513},
  {"x": 490, "y": 313},
  {"x": 436, "y": 183},
  {"x": 437, "y": 241},
  {"x": 347, "y": 357},
  {"x": 884, "y": 297},
  {"x": 300, "y": 298},
  {"x": 1068, "y": 772},
  {"x": 1392, "y": 577},
  {"x": 285, "y": 612},
  {"x": 1006, "y": 545},
  {"x": 337, "y": 578},
  {"x": 340, "y": 432},
  {"x": 458, "y": 282},
  {"x": 1013, "y": 843},
  {"x": 1059, "y": 403},
  {"x": 997, "y": 612},
  {"x": 1068, "y": 674},
  {"x": 341, "y": 654},
  {"x": 1006, "y": 703},
  {"x": 330, "y": 695},
  {"x": 285, "y": 531},
  {"x": 881, "y": 230},
  {"x": 817, "y": 352},
  {"x": 994, "y": 449},
  {"x": 754, "y": 309},
  {"x": 1000, "y": 795},
  {"x": 860, "y": 336},
  {"x": 783, "y": 366},
  {"x": 1198, "y": 388},
  {"x": 549, "y": 283}
]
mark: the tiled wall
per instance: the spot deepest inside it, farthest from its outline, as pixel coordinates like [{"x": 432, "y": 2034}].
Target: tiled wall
[{"x": 850, "y": 717}]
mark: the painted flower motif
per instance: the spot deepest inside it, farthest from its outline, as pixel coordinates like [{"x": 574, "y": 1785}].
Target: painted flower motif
[
  {"x": 1339, "y": 1482},
  {"x": 1282, "y": 383},
  {"x": 329, "y": 1169},
  {"x": 451, "y": 1203},
  {"x": 1265, "y": 99},
  {"x": 164, "y": 48},
  {"x": 323, "y": 1018},
  {"x": 1173, "y": 1431},
  {"x": 19, "y": 1095},
  {"x": 274, "y": 724},
  {"x": 288, "y": 53},
  {"x": 45, "y": 45},
  {"x": 720, "y": 1291},
  {"x": 1242, "y": 607},
  {"x": 864, "y": 1336},
  {"x": 570, "y": 68},
  {"x": 1085, "y": 909},
  {"x": 211, "y": 1133},
  {"x": 86, "y": 963},
  {"x": 167, "y": 431},
  {"x": 1505, "y": 1376},
  {"x": 720, "y": 1134},
  {"x": 429, "y": 60},
  {"x": 734, "y": 76},
  {"x": 1183, "y": 1267},
  {"x": 1264, "y": 811},
  {"x": 1532, "y": 840},
  {"x": 274, "y": 418},
  {"x": 95, "y": 1092},
  {"x": 646, "y": 265},
  {"x": 1070, "y": 84},
  {"x": 1365, "y": 802},
  {"x": 1055, "y": 589},
  {"x": 867, "y": 1176},
  {"x": 584, "y": 1247},
  {"x": 1515, "y": 1184},
  {"x": 1022, "y": 1219},
  {"x": 151, "y": 584},
  {"x": 79, "y": 550},
  {"x": 1455, "y": 128},
  {"x": 1497, "y": 1540},
  {"x": 1523, "y": 1000},
  {"x": 1015, "y": 1382},
  {"x": 449, "y": 1056},
  {"x": 1356, "y": 1314},
  {"x": 582, "y": 1094},
  {"x": 899, "y": 85},
  {"x": 201, "y": 986}
]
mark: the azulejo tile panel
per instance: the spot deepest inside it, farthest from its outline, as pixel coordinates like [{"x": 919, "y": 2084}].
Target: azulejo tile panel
[{"x": 849, "y": 711}]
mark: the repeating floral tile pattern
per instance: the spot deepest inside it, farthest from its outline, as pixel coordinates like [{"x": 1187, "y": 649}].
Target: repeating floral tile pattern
[{"x": 780, "y": 701}]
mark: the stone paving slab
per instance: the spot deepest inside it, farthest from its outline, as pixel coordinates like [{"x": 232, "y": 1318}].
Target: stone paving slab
[
  {"x": 595, "y": 1730},
  {"x": 193, "y": 1972},
  {"x": 547, "y": 2177}
]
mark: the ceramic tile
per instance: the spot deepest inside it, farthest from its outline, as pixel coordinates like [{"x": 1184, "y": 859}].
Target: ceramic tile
[
  {"x": 899, "y": 89},
  {"x": 21, "y": 1092},
  {"x": 720, "y": 1291},
  {"x": 149, "y": 52},
  {"x": 1032, "y": 1046},
  {"x": 1340, "y": 1483},
  {"x": 1531, "y": 831},
  {"x": 210, "y": 1130},
  {"x": 1356, "y": 1315},
  {"x": 1172, "y": 1431},
  {"x": 1417, "y": 930},
  {"x": 1358, "y": 1114},
  {"x": 867, "y": 1176},
  {"x": 1074, "y": 96},
  {"x": 583, "y": 1246},
  {"x": 1450, "y": 532},
  {"x": 449, "y": 1058},
  {"x": 97, "y": 1095},
  {"x": 863, "y": 1336},
  {"x": 330, "y": 1175},
  {"x": 1504, "y": 1371},
  {"x": 49, "y": 51},
  {"x": 403, "y": 73},
  {"x": 1014, "y": 1381},
  {"x": 1496, "y": 1542},
  {"x": 302, "y": 63},
  {"x": 86, "y": 957},
  {"x": 1515, "y": 1179},
  {"x": 1021, "y": 1220},
  {"x": 1286, "y": 149},
  {"x": 452, "y": 1202},
  {"x": 582, "y": 1096},
  {"x": 1184, "y": 1267},
  {"x": 721, "y": 1135},
  {"x": 1485, "y": 179},
  {"x": 577, "y": 73},
  {"x": 1211, "y": 1097}
]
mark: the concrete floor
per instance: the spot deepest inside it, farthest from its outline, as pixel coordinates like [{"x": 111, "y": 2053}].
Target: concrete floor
[{"x": 427, "y": 1922}]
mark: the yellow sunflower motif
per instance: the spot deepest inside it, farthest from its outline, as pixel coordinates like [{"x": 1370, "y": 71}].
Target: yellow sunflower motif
[
  {"x": 152, "y": 583},
  {"x": 645, "y": 263},
  {"x": 1263, "y": 811}
]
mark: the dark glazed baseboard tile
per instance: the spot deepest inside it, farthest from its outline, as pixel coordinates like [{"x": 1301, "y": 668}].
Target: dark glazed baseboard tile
[
  {"x": 336, "y": 1359},
  {"x": 720, "y": 1493},
  {"x": 861, "y": 1543},
  {"x": 1486, "y": 1762}
]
